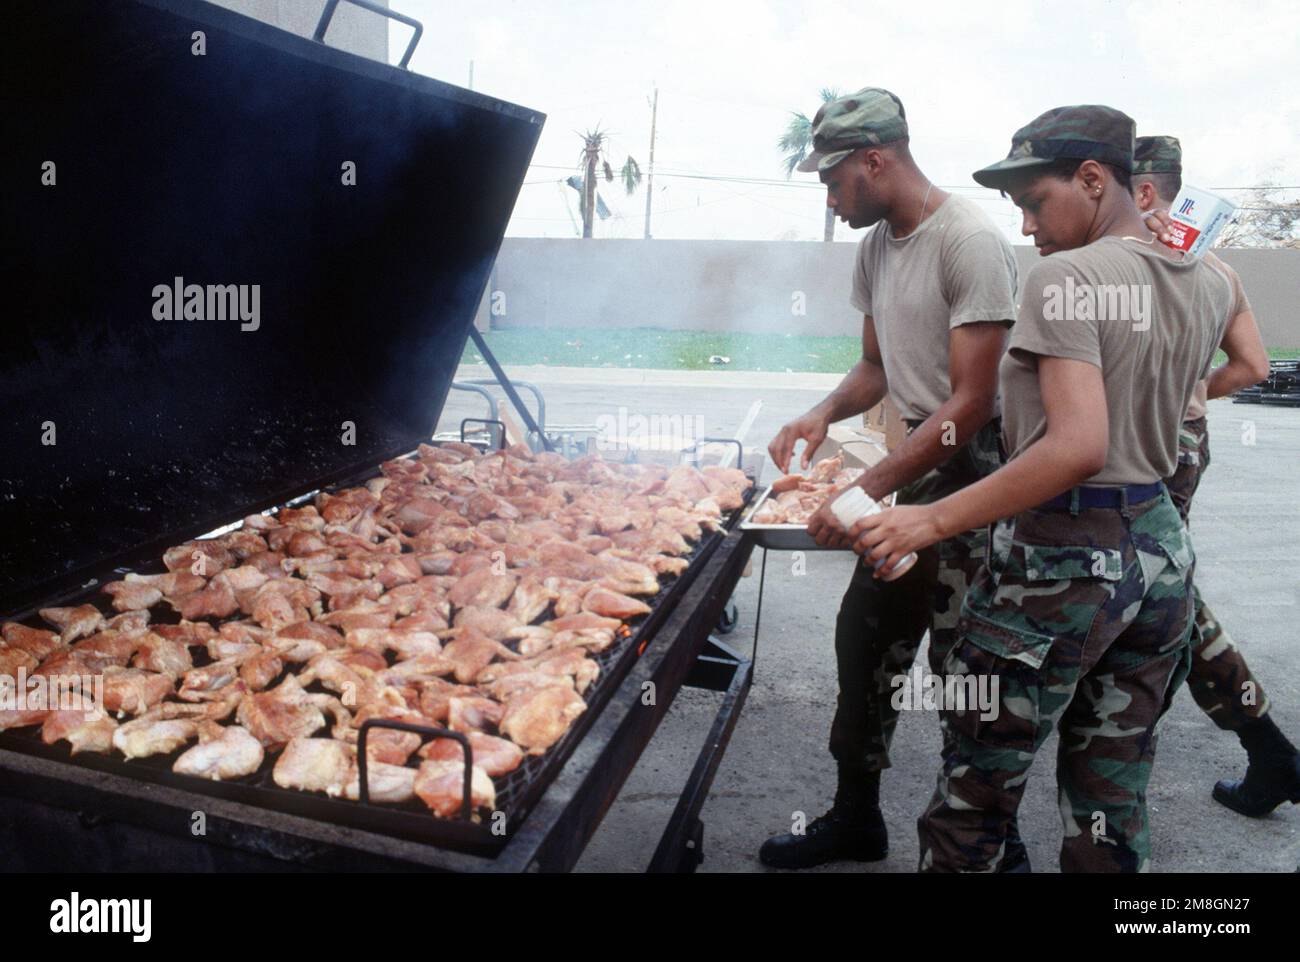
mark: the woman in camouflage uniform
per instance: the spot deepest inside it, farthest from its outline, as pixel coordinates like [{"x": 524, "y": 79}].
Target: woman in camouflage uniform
[{"x": 1079, "y": 621}]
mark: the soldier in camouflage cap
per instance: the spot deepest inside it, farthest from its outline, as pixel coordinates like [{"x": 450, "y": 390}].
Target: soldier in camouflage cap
[
  {"x": 935, "y": 281},
  {"x": 1157, "y": 155},
  {"x": 871, "y": 117},
  {"x": 1079, "y": 620},
  {"x": 1086, "y": 132},
  {"x": 1221, "y": 682}
]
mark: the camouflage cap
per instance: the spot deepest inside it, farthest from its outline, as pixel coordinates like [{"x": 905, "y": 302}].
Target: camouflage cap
[
  {"x": 1158, "y": 155},
  {"x": 869, "y": 118},
  {"x": 1083, "y": 132}
]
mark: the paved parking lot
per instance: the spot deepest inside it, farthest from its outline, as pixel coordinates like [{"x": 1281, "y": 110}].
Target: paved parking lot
[{"x": 1246, "y": 525}]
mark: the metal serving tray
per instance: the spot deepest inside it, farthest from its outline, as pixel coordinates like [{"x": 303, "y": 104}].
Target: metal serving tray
[{"x": 783, "y": 537}]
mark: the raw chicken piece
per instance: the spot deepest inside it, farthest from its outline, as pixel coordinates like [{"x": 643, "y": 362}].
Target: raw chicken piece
[
  {"x": 14, "y": 659},
  {"x": 161, "y": 654},
  {"x": 21, "y": 717},
  {"x": 133, "y": 595},
  {"x": 210, "y": 681},
  {"x": 472, "y": 713},
  {"x": 366, "y": 614},
  {"x": 493, "y": 622},
  {"x": 613, "y": 604},
  {"x": 221, "y": 754},
  {"x": 217, "y": 600},
  {"x": 387, "y": 784},
  {"x": 159, "y": 731},
  {"x": 687, "y": 481},
  {"x": 530, "y": 599},
  {"x": 406, "y": 644},
  {"x": 471, "y": 652},
  {"x": 132, "y": 691},
  {"x": 584, "y": 621},
  {"x": 483, "y": 589},
  {"x": 538, "y": 718},
  {"x": 627, "y": 577},
  {"x": 388, "y": 745},
  {"x": 203, "y": 558},
  {"x": 825, "y": 470},
  {"x": 85, "y": 731},
  {"x": 109, "y": 647},
  {"x": 441, "y": 786},
  {"x": 286, "y": 712},
  {"x": 436, "y": 695},
  {"x": 261, "y": 668},
  {"x": 74, "y": 623},
  {"x": 37, "y": 642},
  {"x": 314, "y": 765},
  {"x": 305, "y": 639},
  {"x": 194, "y": 634},
  {"x": 662, "y": 564},
  {"x": 508, "y": 686},
  {"x": 496, "y": 756},
  {"x": 351, "y": 675},
  {"x": 128, "y": 623},
  {"x": 569, "y": 662}
]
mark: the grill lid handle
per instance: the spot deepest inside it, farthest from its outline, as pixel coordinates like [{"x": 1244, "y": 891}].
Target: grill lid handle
[
  {"x": 327, "y": 15},
  {"x": 693, "y": 452},
  {"x": 467, "y": 810}
]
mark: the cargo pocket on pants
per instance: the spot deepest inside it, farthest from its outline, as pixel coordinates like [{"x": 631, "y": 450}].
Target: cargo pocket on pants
[
  {"x": 1045, "y": 593},
  {"x": 1008, "y": 690}
]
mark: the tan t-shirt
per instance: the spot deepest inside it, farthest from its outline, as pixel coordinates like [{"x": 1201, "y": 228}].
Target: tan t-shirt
[
  {"x": 1152, "y": 330},
  {"x": 1197, "y": 407},
  {"x": 956, "y": 268}
]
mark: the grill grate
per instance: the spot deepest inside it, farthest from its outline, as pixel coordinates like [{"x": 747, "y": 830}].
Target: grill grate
[{"x": 516, "y": 792}]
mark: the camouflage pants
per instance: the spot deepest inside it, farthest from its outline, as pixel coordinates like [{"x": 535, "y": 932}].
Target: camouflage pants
[
  {"x": 1079, "y": 623},
  {"x": 1220, "y": 681},
  {"x": 881, "y": 623}
]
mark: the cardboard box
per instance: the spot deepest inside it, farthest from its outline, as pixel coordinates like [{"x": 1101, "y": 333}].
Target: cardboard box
[
  {"x": 884, "y": 419},
  {"x": 861, "y": 448},
  {"x": 1198, "y": 217}
]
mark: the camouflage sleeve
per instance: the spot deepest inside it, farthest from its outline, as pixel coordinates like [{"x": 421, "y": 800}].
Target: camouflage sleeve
[
  {"x": 979, "y": 279},
  {"x": 1047, "y": 323}
]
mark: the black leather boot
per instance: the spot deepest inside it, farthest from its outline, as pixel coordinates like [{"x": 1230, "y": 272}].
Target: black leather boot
[
  {"x": 852, "y": 830},
  {"x": 1272, "y": 775}
]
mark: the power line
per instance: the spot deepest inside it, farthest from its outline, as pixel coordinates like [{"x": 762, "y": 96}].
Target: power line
[{"x": 805, "y": 185}]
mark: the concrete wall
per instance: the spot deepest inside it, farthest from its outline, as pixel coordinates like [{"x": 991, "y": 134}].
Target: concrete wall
[
  {"x": 352, "y": 29},
  {"x": 757, "y": 286}
]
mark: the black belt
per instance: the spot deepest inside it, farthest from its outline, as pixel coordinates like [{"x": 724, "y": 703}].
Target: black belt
[
  {"x": 1093, "y": 497},
  {"x": 914, "y": 423}
]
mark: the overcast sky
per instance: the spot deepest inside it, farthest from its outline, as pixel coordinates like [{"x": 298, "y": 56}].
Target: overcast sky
[{"x": 1223, "y": 77}]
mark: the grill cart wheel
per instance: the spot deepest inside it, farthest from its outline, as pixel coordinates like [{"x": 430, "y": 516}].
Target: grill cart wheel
[{"x": 729, "y": 618}]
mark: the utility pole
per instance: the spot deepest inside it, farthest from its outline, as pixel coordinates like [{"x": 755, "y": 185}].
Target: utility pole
[
  {"x": 471, "y": 75},
  {"x": 650, "y": 177}
]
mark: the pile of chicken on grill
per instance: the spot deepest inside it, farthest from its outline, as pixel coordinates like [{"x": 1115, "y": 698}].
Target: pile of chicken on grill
[{"x": 457, "y": 589}]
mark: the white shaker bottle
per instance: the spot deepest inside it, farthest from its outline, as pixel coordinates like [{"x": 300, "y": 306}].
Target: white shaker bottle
[{"x": 854, "y": 503}]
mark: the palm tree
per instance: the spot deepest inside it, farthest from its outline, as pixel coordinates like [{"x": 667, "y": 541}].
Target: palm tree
[
  {"x": 796, "y": 142},
  {"x": 594, "y": 144}
]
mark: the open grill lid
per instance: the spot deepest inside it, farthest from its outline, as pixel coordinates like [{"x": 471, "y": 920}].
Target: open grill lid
[{"x": 226, "y": 168}]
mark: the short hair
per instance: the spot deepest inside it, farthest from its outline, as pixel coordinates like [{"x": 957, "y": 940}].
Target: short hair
[
  {"x": 901, "y": 146},
  {"x": 1064, "y": 168},
  {"x": 1166, "y": 183}
]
